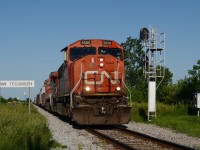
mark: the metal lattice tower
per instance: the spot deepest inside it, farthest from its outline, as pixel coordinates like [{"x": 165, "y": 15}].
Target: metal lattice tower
[
  {"x": 154, "y": 48},
  {"x": 153, "y": 64}
]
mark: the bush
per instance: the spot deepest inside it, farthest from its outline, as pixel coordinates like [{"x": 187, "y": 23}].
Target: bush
[
  {"x": 139, "y": 111},
  {"x": 192, "y": 110}
]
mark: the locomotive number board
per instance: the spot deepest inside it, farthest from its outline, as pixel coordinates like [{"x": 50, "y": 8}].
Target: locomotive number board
[
  {"x": 88, "y": 42},
  {"x": 85, "y": 42},
  {"x": 107, "y": 42}
]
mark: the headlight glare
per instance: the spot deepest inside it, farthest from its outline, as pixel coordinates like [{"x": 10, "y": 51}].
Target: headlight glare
[
  {"x": 101, "y": 59},
  {"x": 87, "y": 88},
  {"x": 101, "y": 64},
  {"x": 118, "y": 88}
]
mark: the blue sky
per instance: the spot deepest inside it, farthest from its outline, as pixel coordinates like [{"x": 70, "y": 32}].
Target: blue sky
[{"x": 32, "y": 33}]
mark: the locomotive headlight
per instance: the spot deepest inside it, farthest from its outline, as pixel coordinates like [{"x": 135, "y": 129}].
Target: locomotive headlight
[
  {"x": 101, "y": 64},
  {"x": 101, "y": 59},
  {"x": 118, "y": 88},
  {"x": 87, "y": 88}
]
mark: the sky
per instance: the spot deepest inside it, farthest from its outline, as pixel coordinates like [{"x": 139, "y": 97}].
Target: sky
[{"x": 32, "y": 33}]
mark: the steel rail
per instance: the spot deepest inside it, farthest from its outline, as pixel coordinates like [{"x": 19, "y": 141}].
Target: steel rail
[
  {"x": 111, "y": 140},
  {"x": 123, "y": 145},
  {"x": 153, "y": 139}
]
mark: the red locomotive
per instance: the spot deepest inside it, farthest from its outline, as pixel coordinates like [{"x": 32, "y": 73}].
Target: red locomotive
[{"x": 89, "y": 86}]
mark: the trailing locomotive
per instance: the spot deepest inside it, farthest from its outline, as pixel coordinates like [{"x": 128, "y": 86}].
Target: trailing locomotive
[{"x": 89, "y": 86}]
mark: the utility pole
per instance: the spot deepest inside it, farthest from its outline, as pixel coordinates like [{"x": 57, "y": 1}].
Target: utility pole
[
  {"x": 25, "y": 96},
  {"x": 29, "y": 103}
]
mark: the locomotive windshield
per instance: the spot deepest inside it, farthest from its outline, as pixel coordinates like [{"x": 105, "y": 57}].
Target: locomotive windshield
[
  {"x": 116, "y": 52},
  {"x": 76, "y": 53}
]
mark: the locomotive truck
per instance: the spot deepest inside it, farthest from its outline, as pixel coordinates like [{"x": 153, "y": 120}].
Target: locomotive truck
[{"x": 89, "y": 87}]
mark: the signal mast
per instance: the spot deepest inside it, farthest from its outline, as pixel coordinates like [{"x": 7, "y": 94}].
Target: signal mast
[{"x": 153, "y": 64}]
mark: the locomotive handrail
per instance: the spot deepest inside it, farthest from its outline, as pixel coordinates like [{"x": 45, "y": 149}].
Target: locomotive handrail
[
  {"x": 129, "y": 93},
  {"x": 71, "y": 99},
  {"x": 71, "y": 104}
]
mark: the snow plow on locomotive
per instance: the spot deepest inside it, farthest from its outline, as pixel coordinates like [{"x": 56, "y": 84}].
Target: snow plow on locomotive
[{"x": 89, "y": 86}]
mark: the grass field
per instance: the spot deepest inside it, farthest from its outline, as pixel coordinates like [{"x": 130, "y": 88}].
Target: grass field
[
  {"x": 21, "y": 130},
  {"x": 174, "y": 117}
]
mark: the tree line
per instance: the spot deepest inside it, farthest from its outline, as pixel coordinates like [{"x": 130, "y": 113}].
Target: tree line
[
  {"x": 10, "y": 99},
  {"x": 168, "y": 92}
]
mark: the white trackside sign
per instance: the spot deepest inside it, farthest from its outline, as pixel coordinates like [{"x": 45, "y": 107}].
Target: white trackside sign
[{"x": 16, "y": 83}]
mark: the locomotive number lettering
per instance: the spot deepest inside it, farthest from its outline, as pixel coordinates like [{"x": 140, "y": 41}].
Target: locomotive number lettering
[
  {"x": 85, "y": 42},
  {"x": 102, "y": 74},
  {"x": 107, "y": 43}
]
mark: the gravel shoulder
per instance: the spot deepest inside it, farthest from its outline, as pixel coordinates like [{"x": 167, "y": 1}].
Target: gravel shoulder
[
  {"x": 65, "y": 134},
  {"x": 74, "y": 139}
]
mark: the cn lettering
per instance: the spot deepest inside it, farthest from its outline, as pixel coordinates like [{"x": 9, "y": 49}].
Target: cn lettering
[{"x": 102, "y": 74}]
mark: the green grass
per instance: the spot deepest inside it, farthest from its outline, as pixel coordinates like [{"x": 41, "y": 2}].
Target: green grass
[
  {"x": 174, "y": 117},
  {"x": 21, "y": 130}
]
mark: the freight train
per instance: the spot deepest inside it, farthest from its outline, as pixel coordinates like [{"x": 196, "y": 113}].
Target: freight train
[{"x": 89, "y": 87}]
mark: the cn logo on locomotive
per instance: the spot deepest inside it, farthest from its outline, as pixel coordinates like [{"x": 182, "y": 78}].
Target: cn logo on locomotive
[{"x": 101, "y": 77}]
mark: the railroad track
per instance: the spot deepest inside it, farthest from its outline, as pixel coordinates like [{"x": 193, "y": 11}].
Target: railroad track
[{"x": 122, "y": 138}]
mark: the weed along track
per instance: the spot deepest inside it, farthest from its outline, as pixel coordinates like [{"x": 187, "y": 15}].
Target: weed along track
[{"x": 122, "y": 138}]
